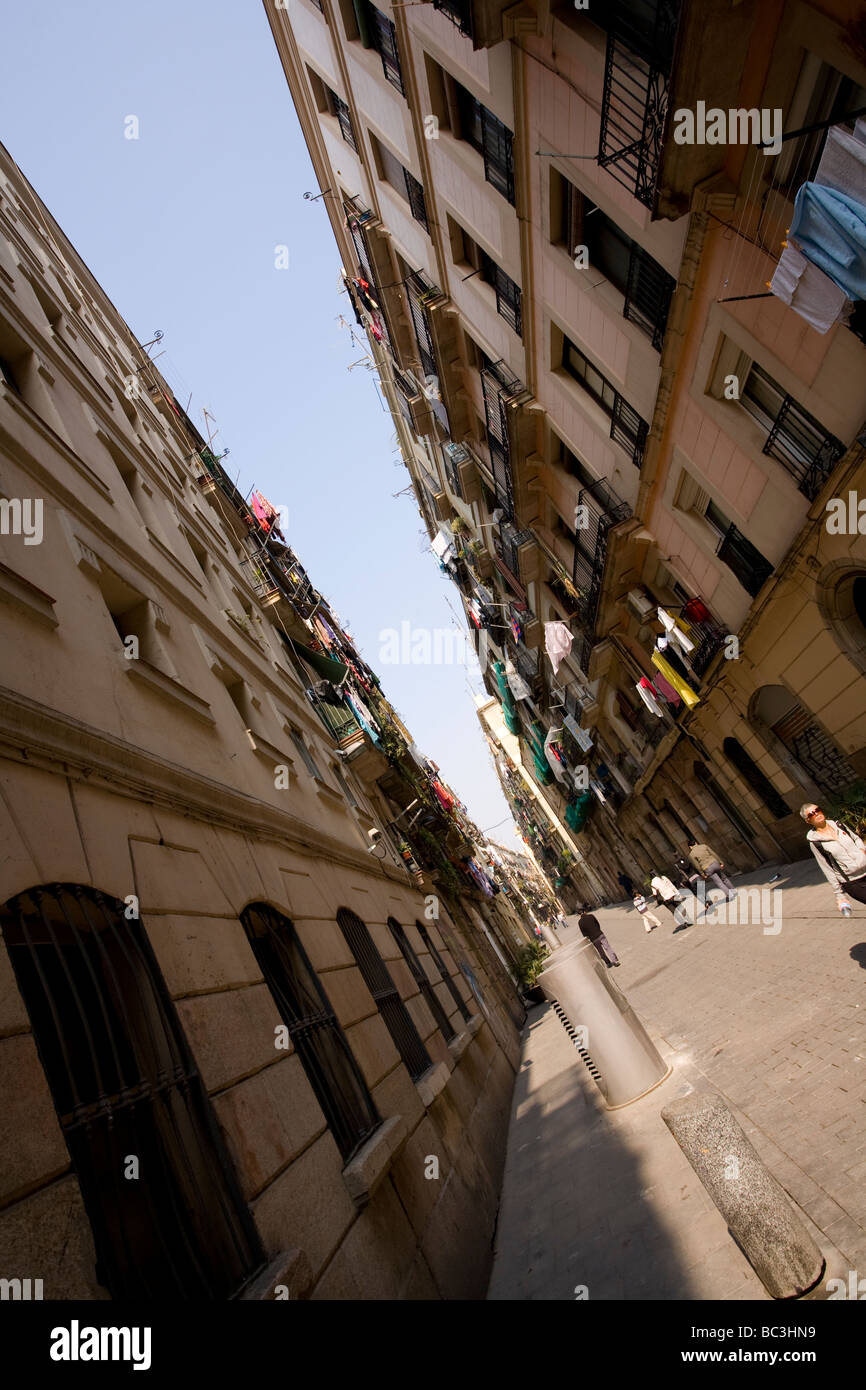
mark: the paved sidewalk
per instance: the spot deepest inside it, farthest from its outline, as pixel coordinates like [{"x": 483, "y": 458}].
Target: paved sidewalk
[{"x": 771, "y": 1014}]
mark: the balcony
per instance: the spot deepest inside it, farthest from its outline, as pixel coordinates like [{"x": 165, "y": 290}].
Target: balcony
[
  {"x": 638, "y": 62},
  {"x": 705, "y": 632},
  {"x": 373, "y": 257},
  {"x": 499, "y": 388},
  {"x": 748, "y": 564},
  {"x": 511, "y": 545},
  {"x": 804, "y": 448},
  {"x": 604, "y": 509}
]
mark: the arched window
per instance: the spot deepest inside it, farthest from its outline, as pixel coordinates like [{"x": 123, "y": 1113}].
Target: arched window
[
  {"x": 420, "y": 976},
  {"x": 125, "y": 1085},
  {"x": 443, "y": 972},
  {"x": 385, "y": 993},
  {"x": 812, "y": 747},
  {"x": 757, "y": 780},
  {"x": 319, "y": 1041}
]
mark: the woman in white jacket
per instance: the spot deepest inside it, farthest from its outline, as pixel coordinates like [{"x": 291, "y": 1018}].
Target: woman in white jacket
[{"x": 840, "y": 853}]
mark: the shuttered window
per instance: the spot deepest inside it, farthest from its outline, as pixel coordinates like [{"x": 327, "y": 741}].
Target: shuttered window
[{"x": 385, "y": 993}]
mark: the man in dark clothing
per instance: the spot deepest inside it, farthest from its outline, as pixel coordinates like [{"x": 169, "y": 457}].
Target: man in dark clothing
[
  {"x": 590, "y": 927},
  {"x": 628, "y": 886}
]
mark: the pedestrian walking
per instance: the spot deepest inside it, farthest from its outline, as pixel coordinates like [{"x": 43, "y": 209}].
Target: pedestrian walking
[
  {"x": 627, "y": 885},
  {"x": 667, "y": 895},
  {"x": 591, "y": 928},
  {"x": 649, "y": 918},
  {"x": 709, "y": 865},
  {"x": 840, "y": 853}
]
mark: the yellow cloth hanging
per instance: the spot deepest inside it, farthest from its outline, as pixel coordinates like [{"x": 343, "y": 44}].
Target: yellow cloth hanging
[{"x": 674, "y": 678}]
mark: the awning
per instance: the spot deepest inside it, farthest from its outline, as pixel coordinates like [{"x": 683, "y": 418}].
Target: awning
[{"x": 326, "y": 666}]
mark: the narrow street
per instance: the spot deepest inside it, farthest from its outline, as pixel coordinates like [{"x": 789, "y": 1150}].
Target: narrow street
[{"x": 774, "y": 1021}]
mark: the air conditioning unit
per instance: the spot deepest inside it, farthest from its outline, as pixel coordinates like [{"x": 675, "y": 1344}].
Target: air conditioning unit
[{"x": 640, "y": 604}]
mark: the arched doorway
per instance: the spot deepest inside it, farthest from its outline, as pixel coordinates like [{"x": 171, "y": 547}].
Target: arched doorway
[{"x": 809, "y": 751}]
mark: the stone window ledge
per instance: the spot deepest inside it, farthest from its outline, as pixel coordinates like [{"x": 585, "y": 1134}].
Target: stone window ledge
[
  {"x": 432, "y": 1082},
  {"x": 151, "y": 676},
  {"x": 288, "y": 1273},
  {"x": 19, "y": 593},
  {"x": 459, "y": 1044},
  {"x": 367, "y": 1169}
]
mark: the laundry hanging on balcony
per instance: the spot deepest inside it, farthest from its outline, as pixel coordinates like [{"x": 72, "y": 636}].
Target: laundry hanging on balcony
[
  {"x": 674, "y": 678},
  {"x": 808, "y": 291},
  {"x": 266, "y": 514},
  {"x": 558, "y": 642},
  {"x": 674, "y": 633},
  {"x": 363, "y": 715},
  {"x": 672, "y": 656},
  {"x": 516, "y": 628},
  {"x": 647, "y": 693},
  {"x": 443, "y": 796},
  {"x": 662, "y": 687},
  {"x": 516, "y": 684},
  {"x": 555, "y": 756},
  {"x": 830, "y": 228}
]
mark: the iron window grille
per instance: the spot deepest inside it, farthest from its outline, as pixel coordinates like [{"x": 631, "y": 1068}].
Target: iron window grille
[
  {"x": 498, "y": 387},
  {"x": 627, "y": 428},
  {"x": 344, "y": 119},
  {"x": 648, "y": 294},
  {"x": 443, "y": 973},
  {"x": 420, "y": 293},
  {"x": 459, "y": 12},
  {"x": 417, "y": 201},
  {"x": 491, "y": 138},
  {"x": 318, "y": 1039},
  {"x": 385, "y": 994},
  {"x": 508, "y": 294},
  {"x": 124, "y": 1081},
  {"x": 646, "y": 286},
  {"x": 751, "y": 568},
  {"x": 807, "y": 451},
  {"x": 638, "y": 60},
  {"x": 440, "y": 1018},
  {"x": 384, "y": 36}
]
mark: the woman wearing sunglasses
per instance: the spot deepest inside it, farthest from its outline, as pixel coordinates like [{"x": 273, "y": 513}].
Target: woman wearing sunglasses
[{"x": 840, "y": 853}]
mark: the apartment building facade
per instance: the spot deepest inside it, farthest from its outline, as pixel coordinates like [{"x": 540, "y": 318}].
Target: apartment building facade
[
  {"x": 611, "y": 422},
  {"x": 247, "y": 1051}
]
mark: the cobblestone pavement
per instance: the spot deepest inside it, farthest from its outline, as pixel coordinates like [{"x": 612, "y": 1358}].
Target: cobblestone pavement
[{"x": 770, "y": 1012}]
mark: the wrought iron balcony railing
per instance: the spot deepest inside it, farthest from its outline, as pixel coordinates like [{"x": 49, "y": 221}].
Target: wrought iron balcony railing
[
  {"x": 357, "y": 217},
  {"x": 459, "y": 12},
  {"x": 748, "y": 564},
  {"x": 705, "y": 632},
  {"x": 640, "y": 48},
  {"x": 602, "y": 510},
  {"x": 803, "y": 447},
  {"x": 453, "y": 455},
  {"x": 421, "y": 292},
  {"x": 508, "y": 294}
]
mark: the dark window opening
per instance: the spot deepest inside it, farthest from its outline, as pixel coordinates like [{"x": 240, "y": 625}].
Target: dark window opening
[
  {"x": 124, "y": 1081},
  {"x": 320, "y": 1042},
  {"x": 385, "y": 994},
  {"x": 440, "y": 1018},
  {"x": 443, "y": 973}
]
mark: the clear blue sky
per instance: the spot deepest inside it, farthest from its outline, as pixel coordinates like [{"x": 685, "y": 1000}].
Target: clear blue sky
[{"x": 180, "y": 228}]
